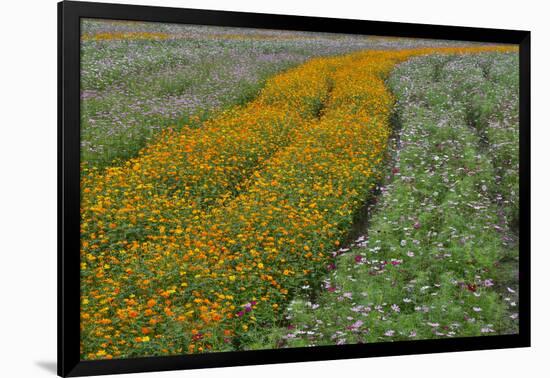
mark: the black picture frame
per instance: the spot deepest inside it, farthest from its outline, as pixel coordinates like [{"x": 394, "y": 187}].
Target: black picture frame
[{"x": 69, "y": 15}]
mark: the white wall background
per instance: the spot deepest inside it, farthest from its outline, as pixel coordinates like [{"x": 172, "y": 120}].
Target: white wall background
[{"x": 28, "y": 186}]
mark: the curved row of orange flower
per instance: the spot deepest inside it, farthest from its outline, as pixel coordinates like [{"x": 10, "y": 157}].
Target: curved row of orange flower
[{"x": 199, "y": 242}]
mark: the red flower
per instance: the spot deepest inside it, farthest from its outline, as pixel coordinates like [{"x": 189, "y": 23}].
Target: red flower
[{"x": 198, "y": 336}]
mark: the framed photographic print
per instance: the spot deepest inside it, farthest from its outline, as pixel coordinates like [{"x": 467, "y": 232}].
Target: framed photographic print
[{"x": 239, "y": 188}]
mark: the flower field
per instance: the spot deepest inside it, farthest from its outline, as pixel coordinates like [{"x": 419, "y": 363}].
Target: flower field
[
  {"x": 138, "y": 79},
  {"x": 208, "y": 235},
  {"x": 440, "y": 257}
]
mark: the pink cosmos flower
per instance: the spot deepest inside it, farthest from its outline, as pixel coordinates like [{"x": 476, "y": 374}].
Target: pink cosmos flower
[{"x": 355, "y": 325}]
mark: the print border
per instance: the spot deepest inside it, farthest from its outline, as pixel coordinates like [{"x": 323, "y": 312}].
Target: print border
[{"x": 69, "y": 15}]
